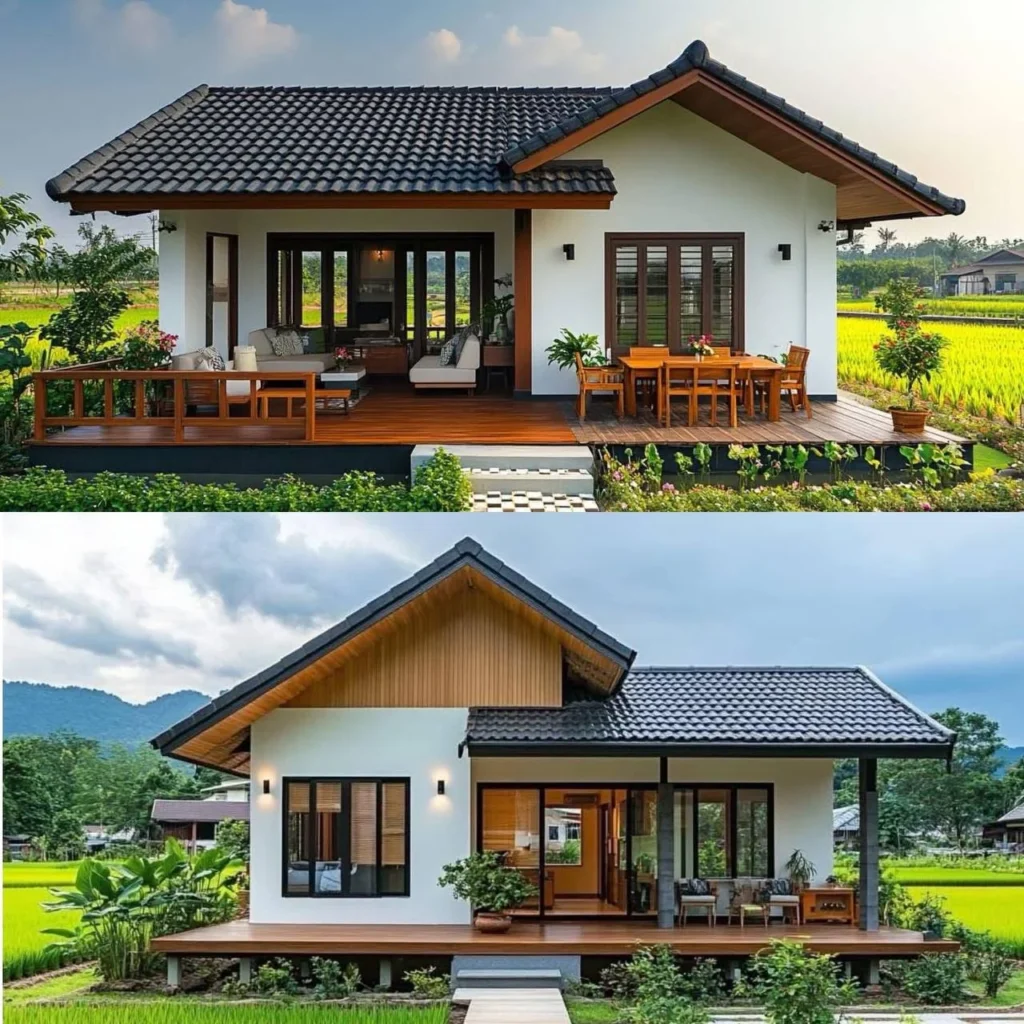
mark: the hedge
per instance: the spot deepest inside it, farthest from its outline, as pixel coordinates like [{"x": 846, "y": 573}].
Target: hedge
[{"x": 440, "y": 486}]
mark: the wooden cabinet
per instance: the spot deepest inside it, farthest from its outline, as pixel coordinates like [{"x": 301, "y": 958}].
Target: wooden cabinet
[
  {"x": 829, "y": 904},
  {"x": 383, "y": 360}
]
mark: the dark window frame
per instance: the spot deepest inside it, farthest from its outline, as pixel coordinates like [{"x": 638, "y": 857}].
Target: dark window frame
[
  {"x": 733, "y": 789},
  {"x": 232, "y": 299},
  {"x": 673, "y": 241},
  {"x": 344, "y": 836}
]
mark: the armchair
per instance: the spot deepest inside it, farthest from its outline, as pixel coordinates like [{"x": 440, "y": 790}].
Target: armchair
[
  {"x": 602, "y": 379},
  {"x": 696, "y": 893}
]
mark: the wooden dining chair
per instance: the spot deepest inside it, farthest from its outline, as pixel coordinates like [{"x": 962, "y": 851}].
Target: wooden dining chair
[
  {"x": 647, "y": 381},
  {"x": 715, "y": 383},
  {"x": 677, "y": 382},
  {"x": 603, "y": 379},
  {"x": 794, "y": 378}
]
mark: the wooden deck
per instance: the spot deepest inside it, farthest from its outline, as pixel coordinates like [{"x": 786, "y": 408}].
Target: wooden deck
[
  {"x": 404, "y": 418},
  {"x": 584, "y": 938}
]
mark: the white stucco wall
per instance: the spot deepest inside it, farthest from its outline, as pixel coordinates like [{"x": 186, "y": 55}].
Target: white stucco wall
[
  {"x": 420, "y": 743},
  {"x": 676, "y": 172},
  {"x": 803, "y": 789},
  {"x": 183, "y": 253}
]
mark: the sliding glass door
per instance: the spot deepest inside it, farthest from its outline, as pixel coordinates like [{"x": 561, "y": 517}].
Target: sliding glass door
[{"x": 222, "y": 293}]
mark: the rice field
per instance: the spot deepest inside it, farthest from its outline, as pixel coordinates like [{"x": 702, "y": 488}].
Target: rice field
[
  {"x": 967, "y": 305},
  {"x": 982, "y": 373},
  {"x": 170, "y": 1011},
  {"x": 29, "y": 874},
  {"x": 24, "y": 944},
  {"x": 996, "y": 909}
]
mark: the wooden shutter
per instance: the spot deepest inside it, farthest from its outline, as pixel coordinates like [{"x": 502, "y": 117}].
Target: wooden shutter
[
  {"x": 363, "y": 825},
  {"x": 393, "y": 824}
]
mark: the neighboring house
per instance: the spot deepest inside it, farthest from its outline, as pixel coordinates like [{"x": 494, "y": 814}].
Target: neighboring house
[
  {"x": 999, "y": 273},
  {"x": 1008, "y": 831},
  {"x": 466, "y": 709},
  {"x": 20, "y": 847},
  {"x": 690, "y": 202},
  {"x": 98, "y": 838},
  {"x": 846, "y": 827},
  {"x": 194, "y": 822}
]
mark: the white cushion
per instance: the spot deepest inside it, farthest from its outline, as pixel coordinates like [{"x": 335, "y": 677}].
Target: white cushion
[
  {"x": 260, "y": 341},
  {"x": 788, "y": 900},
  {"x": 470, "y": 358},
  {"x": 429, "y": 370},
  {"x": 315, "y": 361},
  {"x": 184, "y": 360},
  {"x": 239, "y": 388},
  {"x": 694, "y": 900}
]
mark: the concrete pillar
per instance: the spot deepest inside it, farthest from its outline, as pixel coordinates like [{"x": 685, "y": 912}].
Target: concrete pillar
[
  {"x": 173, "y": 971},
  {"x": 384, "y": 977},
  {"x": 245, "y": 970},
  {"x": 666, "y": 850},
  {"x": 868, "y": 779}
]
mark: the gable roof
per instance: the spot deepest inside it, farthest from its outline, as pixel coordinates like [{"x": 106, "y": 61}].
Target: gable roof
[
  {"x": 199, "y": 810},
  {"x": 1014, "y": 816},
  {"x": 692, "y": 712},
  {"x": 332, "y": 145},
  {"x": 846, "y": 819},
  {"x": 614, "y": 657},
  {"x": 1002, "y": 257}
]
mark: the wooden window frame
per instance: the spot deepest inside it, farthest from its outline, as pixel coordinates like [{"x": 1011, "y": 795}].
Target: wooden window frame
[
  {"x": 344, "y": 837},
  {"x": 232, "y": 299},
  {"x": 673, "y": 241},
  {"x": 733, "y": 789}
]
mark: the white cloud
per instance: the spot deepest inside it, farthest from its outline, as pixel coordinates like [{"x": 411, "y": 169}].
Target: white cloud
[
  {"x": 444, "y": 44},
  {"x": 248, "y": 35},
  {"x": 135, "y": 24},
  {"x": 560, "y": 47}
]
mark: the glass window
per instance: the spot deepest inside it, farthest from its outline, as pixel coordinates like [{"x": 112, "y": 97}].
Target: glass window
[
  {"x": 564, "y": 827},
  {"x": 341, "y": 288},
  {"x": 752, "y": 858},
  {"x": 627, "y": 302},
  {"x": 297, "y": 826},
  {"x": 510, "y": 826},
  {"x": 462, "y": 288},
  {"x": 691, "y": 292},
  {"x": 644, "y": 849},
  {"x": 713, "y": 831},
  {"x": 656, "y": 296},
  {"x": 410, "y": 293},
  {"x": 312, "y": 290},
  {"x": 721, "y": 293},
  {"x": 436, "y": 325},
  {"x": 329, "y": 820}
]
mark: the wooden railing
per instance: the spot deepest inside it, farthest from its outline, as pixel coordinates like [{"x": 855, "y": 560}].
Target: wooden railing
[{"x": 179, "y": 398}]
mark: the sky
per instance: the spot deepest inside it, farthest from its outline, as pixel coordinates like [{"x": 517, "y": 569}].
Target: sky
[
  {"x": 144, "y": 604},
  {"x": 933, "y": 85}
]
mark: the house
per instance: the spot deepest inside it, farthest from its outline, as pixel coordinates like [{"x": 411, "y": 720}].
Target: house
[
  {"x": 467, "y": 709},
  {"x": 381, "y": 219},
  {"x": 98, "y": 837},
  {"x": 998, "y": 273},
  {"x": 1007, "y": 832},
  {"x": 846, "y": 827},
  {"x": 194, "y": 822}
]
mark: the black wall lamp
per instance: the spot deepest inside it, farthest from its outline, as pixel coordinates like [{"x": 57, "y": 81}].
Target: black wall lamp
[
  {"x": 826, "y": 226},
  {"x": 786, "y": 251},
  {"x": 266, "y": 787},
  {"x": 166, "y": 225},
  {"x": 440, "y": 787},
  {"x": 570, "y": 250}
]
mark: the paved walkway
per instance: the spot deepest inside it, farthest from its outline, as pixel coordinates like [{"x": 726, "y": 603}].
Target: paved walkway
[
  {"x": 513, "y": 1005},
  {"x": 979, "y": 1016}
]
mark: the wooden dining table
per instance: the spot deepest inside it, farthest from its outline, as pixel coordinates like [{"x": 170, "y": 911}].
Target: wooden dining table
[{"x": 749, "y": 369}]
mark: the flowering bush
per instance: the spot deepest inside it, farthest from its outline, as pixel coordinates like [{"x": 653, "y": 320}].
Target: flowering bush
[
  {"x": 912, "y": 354},
  {"x": 147, "y": 347}
]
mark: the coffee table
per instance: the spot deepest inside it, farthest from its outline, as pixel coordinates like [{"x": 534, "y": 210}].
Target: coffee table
[{"x": 345, "y": 380}]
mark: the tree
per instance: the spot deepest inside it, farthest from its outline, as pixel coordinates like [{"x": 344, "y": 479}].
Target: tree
[
  {"x": 956, "y": 247},
  {"x": 1013, "y": 784},
  {"x": 64, "y": 839},
  {"x": 15, "y": 219},
  {"x": 886, "y": 236},
  {"x": 232, "y": 838}
]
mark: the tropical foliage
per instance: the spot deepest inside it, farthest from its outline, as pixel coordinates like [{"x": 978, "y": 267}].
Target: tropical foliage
[{"x": 482, "y": 881}]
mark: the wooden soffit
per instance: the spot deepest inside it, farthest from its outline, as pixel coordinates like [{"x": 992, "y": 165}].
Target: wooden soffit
[
  {"x": 224, "y": 742},
  {"x": 863, "y": 192}
]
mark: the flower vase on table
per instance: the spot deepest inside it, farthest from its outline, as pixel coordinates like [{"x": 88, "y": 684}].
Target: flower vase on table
[{"x": 701, "y": 347}]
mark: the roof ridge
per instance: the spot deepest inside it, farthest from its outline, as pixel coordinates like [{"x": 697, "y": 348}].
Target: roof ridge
[
  {"x": 745, "y": 668},
  {"x": 901, "y": 700},
  {"x": 61, "y": 183},
  {"x": 503, "y": 90}
]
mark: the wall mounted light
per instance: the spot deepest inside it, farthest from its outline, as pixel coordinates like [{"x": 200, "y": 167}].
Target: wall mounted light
[
  {"x": 570, "y": 250},
  {"x": 167, "y": 226},
  {"x": 826, "y": 226},
  {"x": 440, "y": 787},
  {"x": 266, "y": 787},
  {"x": 786, "y": 251}
]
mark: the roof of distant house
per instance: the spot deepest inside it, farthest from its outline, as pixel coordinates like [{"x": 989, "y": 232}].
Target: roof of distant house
[
  {"x": 1015, "y": 816},
  {"x": 846, "y": 819},
  {"x": 199, "y": 810}
]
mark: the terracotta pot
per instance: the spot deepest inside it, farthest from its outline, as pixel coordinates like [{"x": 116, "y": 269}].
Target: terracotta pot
[
  {"x": 908, "y": 421},
  {"x": 492, "y": 924}
]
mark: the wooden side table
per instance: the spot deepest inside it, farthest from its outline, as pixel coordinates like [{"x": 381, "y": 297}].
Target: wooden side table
[
  {"x": 829, "y": 903},
  {"x": 495, "y": 360}
]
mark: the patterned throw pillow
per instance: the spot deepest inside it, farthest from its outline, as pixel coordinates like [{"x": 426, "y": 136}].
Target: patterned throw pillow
[
  {"x": 209, "y": 359},
  {"x": 780, "y": 887},
  {"x": 286, "y": 343},
  {"x": 448, "y": 352},
  {"x": 699, "y": 887}
]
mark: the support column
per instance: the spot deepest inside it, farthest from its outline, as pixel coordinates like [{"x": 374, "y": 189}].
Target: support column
[
  {"x": 666, "y": 850},
  {"x": 173, "y": 971},
  {"x": 868, "y": 779},
  {"x": 523, "y": 283},
  {"x": 384, "y": 976},
  {"x": 245, "y": 970}
]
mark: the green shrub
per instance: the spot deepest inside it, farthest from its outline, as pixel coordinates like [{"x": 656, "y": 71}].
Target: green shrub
[
  {"x": 274, "y": 978},
  {"x": 796, "y": 985},
  {"x": 659, "y": 991},
  {"x": 994, "y": 969},
  {"x": 704, "y": 982},
  {"x": 440, "y": 486},
  {"x": 935, "y": 978},
  {"x": 427, "y": 983},
  {"x": 618, "y": 980},
  {"x": 334, "y": 981}
]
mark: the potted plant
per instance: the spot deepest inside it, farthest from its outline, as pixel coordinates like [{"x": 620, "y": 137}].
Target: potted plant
[
  {"x": 799, "y": 869},
  {"x": 343, "y": 357},
  {"x": 701, "y": 347},
  {"x": 907, "y": 352},
  {"x": 496, "y": 310},
  {"x": 490, "y": 888},
  {"x": 562, "y": 351}
]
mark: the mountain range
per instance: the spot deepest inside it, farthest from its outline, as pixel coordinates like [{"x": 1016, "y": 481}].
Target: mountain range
[{"x": 35, "y": 709}]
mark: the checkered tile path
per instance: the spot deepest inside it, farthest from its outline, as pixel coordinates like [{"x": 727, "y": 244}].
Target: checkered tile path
[{"x": 532, "y": 501}]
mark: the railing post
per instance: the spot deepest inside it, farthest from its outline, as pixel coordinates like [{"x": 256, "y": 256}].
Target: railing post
[
  {"x": 140, "y": 398},
  {"x": 179, "y": 410},
  {"x": 78, "y": 407},
  {"x": 310, "y": 406},
  {"x": 222, "y": 399},
  {"x": 108, "y": 398},
  {"x": 39, "y": 396}
]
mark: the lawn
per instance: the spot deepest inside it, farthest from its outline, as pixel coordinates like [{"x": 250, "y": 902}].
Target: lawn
[
  {"x": 36, "y": 317},
  {"x": 968, "y": 305},
  {"x": 60, "y": 987},
  {"x": 982, "y": 373},
  {"x": 170, "y": 1011},
  {"x": 24, "y": 944}
]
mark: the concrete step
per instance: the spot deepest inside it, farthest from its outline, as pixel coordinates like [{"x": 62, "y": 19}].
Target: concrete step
[
  {"x": 545, "y": 480},
  {"x": 508, "y": 978},
  {"x": 532, "y": 501},
  {"x": 510, "y": 456}
]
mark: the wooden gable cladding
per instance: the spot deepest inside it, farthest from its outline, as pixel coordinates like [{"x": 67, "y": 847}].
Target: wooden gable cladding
[{"x": 467, "y": 650}]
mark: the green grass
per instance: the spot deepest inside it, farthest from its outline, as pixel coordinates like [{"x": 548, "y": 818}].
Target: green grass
[
  {"x": 998, "y": 909},
  {"x": 171, "y": 1011},
  {"x": 61, "y": 987},
  {"x": 583, "y": 1011},
  {"x": 954, "y": 876},
  {"x": 32, "y": 874},
  {"x": 35, "y": 317},
  {"x": 1011, "y": 994},
  {"x": 24, "y": 944},
  {"x": 990, "y": 458}
]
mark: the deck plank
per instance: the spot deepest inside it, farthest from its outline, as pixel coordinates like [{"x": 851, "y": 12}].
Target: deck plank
[{"x": 588, "y": 938}]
